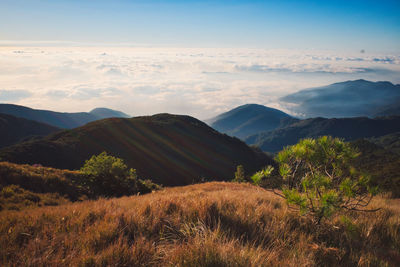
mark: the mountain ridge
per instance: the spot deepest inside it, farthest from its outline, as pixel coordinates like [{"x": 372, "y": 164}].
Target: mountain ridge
[
  {"x": 169, "y": 149},
  {"x": 347, "y": 128},
  {"x": 345, "y": 99}
]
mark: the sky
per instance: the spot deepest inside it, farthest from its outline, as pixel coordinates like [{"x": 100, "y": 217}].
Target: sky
[
  {"x": 369, "y": 25},
  {"x": 188, "y": 57}
]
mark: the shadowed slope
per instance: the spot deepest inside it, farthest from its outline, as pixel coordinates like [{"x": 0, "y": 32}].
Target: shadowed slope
[
  {"x": 169, "y": 149},
  {"x": 382, "y": 164},
  {"x": 346, "y": 128},
  {"x": 14, "y": 130},
  {"x": 390, "y": 142}
]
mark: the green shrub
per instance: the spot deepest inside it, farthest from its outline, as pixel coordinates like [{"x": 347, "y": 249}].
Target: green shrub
[
  {"x": 260, "y": 176},
  {"x": 110, "y": 176},
  {"x": 319, "y": 180}
]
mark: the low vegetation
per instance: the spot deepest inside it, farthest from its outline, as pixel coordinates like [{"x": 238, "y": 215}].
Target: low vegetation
[
  {"x": 210, "y": 224},
  {"x": 24, "y": 186},
  {"x": 106, "y": 175}
]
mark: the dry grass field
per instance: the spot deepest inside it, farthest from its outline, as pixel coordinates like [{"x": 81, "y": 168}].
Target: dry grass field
[{"x": 210, "y": 224}]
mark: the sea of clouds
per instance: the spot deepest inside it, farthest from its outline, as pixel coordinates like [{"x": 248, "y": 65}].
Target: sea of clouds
[{"x": 198, "y": 82}]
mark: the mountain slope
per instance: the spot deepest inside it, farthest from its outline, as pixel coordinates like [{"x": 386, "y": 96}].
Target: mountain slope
[
  {"x": 250, "y": 119},
  {"x": 169, "y": 149},
  {"x": 347, "y": 128},
  {"x": 390, "y": 142},
  {"x": 14, "y": 130},
  {"x": 57, "y": 119},
  {"x": 345, "y": 99},
  {"x": 382, "y": 164},
  {"x": 390, "y": 110}
]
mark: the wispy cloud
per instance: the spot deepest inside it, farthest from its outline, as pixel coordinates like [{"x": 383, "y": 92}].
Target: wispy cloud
[{"x": 198, "y": 82}]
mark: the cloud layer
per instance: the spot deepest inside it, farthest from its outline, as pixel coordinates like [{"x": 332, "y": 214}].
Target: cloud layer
[{"x": 198, "y": 82}]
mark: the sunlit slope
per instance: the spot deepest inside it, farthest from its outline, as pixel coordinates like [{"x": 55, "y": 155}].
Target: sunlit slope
[
  {"x": 211, "y": 224},
  {"x": 169, "y": 149}
]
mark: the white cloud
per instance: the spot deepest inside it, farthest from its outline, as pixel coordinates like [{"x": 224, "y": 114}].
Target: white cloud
[{"x": 198, "y": 82}]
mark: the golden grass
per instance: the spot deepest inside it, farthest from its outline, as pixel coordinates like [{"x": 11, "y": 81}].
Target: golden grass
[{"x": 211, "y": 224}]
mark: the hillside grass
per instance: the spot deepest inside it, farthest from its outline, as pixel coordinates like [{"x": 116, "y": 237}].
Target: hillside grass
[
  {"x": 210, "y": 224},
  {"x": 26, "y": 186},
  {"x": 23, "y": 186}
]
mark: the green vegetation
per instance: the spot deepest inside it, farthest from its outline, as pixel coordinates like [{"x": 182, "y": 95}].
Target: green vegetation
[
  {"x": 109, "y": 176},
  {"x": 319, "y": 179},
  {"x": 262, "y": 175}
]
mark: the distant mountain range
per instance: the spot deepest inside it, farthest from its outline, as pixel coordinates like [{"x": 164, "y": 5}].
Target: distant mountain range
[
  {"x": 169, "y": 149},
  {"x": 346, "y": 128},
  {"x": 347, "y": 99},
  {"x": 60, "y": 119},
  {"x": 390, "y": 110},
  {"x": 250, "y": 119},
  {"x": 14, "y": 130}
]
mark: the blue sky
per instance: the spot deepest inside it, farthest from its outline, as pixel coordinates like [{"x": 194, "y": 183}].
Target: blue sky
[{"x": 334, "y": 25}]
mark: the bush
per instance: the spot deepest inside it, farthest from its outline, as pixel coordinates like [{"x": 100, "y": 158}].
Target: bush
[
  {"x": 110, "y": 176},
  {"x": 319, "y": 179},
  {"x": 260, "y": 176}
]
